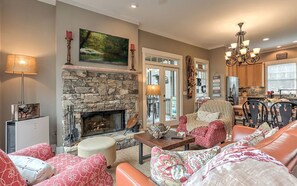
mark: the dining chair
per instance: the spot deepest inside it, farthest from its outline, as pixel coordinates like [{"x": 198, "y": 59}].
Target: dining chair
[
  {"x": 283, "y": 113},
  {"x": 255, "y": 113}
]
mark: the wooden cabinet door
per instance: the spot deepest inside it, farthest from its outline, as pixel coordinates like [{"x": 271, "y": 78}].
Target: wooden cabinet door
[
  {"x": 231, "y": 71},
  {"x": 258, "y": 75},
  {"x": 241, "y": 73},
  {"x": 250, "y": 75}
]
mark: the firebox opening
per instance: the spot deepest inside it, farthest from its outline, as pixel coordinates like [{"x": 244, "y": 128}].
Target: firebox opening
[{"x": 102, "y": 122}]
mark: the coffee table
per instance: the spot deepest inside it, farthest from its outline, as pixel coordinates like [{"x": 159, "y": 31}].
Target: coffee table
[{"x": 165, "y": 143}]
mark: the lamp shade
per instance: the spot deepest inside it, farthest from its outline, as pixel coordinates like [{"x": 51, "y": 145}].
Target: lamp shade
[
  {"x": 153, "y": 90},
  {"x": 20, "y": 64}
]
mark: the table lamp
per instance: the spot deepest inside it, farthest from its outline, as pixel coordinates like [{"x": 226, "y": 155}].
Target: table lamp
[
  {"x": 153, "y": 90},
  {"x": 20, "y": 64}
]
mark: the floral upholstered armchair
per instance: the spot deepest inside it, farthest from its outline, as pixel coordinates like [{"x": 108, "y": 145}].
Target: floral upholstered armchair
[
  {"x": 70, "y": 170},
  {"x": 208, "y": 134}
]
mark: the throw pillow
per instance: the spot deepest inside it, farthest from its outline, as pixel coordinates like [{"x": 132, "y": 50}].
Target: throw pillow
[
  {"x": 271, "y": 132},
  {"x": 254, "y": 138},
  {"x": 264, "y": 127},
  {"x": 242, "y": 166},
  {"x": 194, "y": 160},
  {"x": 175, "y": 167},
  {"x": 267, "y": 130},
  {"x": 207, "y": 116},
  {"x": 238, "y": 143},
  {"x": 33, "y": 170},
  {"x": 167, "y": 167}
]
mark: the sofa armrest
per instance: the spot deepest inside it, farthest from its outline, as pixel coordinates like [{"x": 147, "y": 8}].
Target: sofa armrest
[
  {"x": 90, "y": 171},
  {"x": 127, "y": 175},
  {"x": 9, "y": 175},
  {"x": 42, "y": 151},
  {"x": 240, "y": 132}
]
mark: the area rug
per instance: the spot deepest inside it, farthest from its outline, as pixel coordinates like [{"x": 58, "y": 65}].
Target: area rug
[{"x": 130, "y": 155}]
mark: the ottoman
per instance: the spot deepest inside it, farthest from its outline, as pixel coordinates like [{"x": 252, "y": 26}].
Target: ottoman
[{"x": 102, "y": 145}]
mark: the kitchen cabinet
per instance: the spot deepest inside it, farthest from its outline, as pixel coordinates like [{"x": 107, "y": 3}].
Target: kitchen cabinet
[
  {"x": 255, "y": 75},
  {"x": 259, "y": 75},
  {"x": 248, "y": 75},
  {"x": 231, "y": 71},
  {"x": 241, "y": 73}
]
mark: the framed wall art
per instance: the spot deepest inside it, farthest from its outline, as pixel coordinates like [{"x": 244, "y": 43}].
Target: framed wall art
[{"x": 102, "y": 48}]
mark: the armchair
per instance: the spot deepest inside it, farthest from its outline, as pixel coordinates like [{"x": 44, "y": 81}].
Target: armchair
[
  {"x": 71, "y": 170},
  {"x": 209, "y": 134}
]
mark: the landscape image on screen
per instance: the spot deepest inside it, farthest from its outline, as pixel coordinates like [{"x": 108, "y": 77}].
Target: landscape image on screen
[{"x": 102, "y": 48}]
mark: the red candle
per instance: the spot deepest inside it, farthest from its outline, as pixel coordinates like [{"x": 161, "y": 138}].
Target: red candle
[
  {"x": 68, "y": 34},
  {"x": 132, "y": 47}
]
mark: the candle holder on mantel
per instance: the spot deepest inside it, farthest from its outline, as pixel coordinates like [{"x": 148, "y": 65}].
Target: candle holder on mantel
[
  {"x": 68, "y": 39},
  {"x": 132, "y": 49}
]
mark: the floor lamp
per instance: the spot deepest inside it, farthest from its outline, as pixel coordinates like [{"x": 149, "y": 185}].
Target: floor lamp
[
  {"x": 153, "y": 90},
  {"x": 20, "y": 64}
]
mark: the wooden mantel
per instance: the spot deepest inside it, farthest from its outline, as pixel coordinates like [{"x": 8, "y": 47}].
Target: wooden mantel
[{"x": 96, "y": 69}]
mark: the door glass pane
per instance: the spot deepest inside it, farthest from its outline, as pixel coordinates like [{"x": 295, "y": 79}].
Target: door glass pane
[
  {"x": 153, "y": 103},
  {"x": 170, "y": 95}
]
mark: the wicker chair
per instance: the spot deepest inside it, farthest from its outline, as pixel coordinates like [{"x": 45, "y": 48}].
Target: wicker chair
[{"x": 209, "y": 134}]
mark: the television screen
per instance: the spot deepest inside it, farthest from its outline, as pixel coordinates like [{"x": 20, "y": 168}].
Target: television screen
[{"x": 102, "y": 48}]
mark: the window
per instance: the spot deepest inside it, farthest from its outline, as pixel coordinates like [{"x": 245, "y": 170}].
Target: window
[
  {"x": 163, "y": 60},
  {"x": 201, "y": 80},
  {"x": 282, "y": 76}
]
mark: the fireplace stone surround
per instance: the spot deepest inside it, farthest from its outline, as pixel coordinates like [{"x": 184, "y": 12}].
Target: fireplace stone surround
[{"x": 94, "y": 90}]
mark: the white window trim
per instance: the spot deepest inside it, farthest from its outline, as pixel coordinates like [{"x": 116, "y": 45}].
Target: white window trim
[
  {"x": 206, "y": 62},
  {"x": 275, "y": 62},
  {"x": 179, "y": 66}
]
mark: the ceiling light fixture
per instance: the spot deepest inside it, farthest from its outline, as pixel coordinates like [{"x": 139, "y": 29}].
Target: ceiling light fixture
[
  {"x": 133, "y": 5},
  {"x": 240, "y": 52},
  {"x": 266, "y": 39},
  {"x": 295, "y": 41},
  {"x": 279, "y": 46}
]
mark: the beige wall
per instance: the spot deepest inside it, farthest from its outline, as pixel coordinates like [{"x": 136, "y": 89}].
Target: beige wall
[
  {"x": 218, "y": 65},
  {"x": 28, "y": 27},
  {"x": 271, "y": 56},
  {"x": 156, "y": 42},
  {"x": 72, "y": 18}
]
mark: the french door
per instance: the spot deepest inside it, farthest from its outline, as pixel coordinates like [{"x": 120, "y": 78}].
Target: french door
[{"x": 164, "y": 108}]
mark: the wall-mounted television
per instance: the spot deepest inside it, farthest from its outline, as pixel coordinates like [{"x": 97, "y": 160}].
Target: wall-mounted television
[{"x": 102, "y": 48}]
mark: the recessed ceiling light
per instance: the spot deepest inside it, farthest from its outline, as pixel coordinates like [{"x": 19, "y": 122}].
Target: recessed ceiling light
[
  {"x": 133, "y": 5},
  {"x": 266, "y": 39},
  {"x": 279, "y": 46},
  {"x": 295, "y": 41}
]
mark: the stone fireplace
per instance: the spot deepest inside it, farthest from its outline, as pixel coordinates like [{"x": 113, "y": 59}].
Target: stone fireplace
[
  {"x": 102, "y": 122},
  {"x": 96, "y": 95}
]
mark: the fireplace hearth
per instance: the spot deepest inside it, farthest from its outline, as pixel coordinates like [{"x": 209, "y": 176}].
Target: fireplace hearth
[{"x": 94, "y": 123}]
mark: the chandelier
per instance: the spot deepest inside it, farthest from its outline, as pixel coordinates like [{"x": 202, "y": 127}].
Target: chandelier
[{"x": 239, "y": 52}]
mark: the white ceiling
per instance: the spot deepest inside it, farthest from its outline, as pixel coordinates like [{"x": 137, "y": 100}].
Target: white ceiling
[{"x": 206, "y": 23}]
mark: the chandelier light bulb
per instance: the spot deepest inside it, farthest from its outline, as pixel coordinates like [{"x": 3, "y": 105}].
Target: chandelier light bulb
[
  {"x": 253, "y": 54},
  {"x": 243, "y": 51},
  {"x": 246, "y": 43},
  {"x": 228, "y": 54},
  {"x": 256, "y": 50},
  {"x": 226, "y": 58},
  {"x": 233, "y": 45}
]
